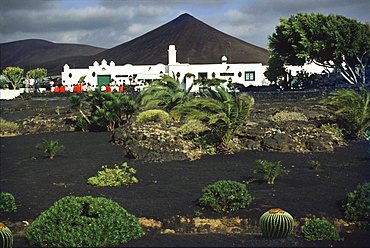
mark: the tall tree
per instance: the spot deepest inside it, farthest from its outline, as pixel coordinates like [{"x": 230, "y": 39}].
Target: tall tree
[
  {"x": 332, "y": 41},
  {"x": 14, "y": 75},
  {"x": 37, "y": 74}
]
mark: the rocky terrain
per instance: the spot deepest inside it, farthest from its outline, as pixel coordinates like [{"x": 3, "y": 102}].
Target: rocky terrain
[{"x": 291, "y": 125}]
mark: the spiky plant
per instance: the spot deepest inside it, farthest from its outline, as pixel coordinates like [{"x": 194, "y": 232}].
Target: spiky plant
[
  {"x": 51, "y": 148},
  {"x": 276, "y": 223},
  {"x": 222, "y": 112},
  {"x": 351, "y": 108},
  {"x": 165, "y": 93}
]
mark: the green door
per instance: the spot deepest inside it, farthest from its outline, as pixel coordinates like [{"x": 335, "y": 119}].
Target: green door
[{"x": 103, "y": 80}]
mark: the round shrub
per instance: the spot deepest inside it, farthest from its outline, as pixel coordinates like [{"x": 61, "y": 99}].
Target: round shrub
[
  {"x": 153, "y": 115},
  {"x": 357, "y": 206},
  {"x": 317, "y": 229},
  {"x": 6, "y": 237},
  {"x": 225, "y": 195},
  {"x": 84, "y": 222},
  {"x": 276, "y": 223},
  {"x": 7, "y": 202}
]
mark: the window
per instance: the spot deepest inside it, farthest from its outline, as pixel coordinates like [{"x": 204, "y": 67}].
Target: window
[
  {"x": 250, "y": 76},
  {"x": 202, "y": 75}
]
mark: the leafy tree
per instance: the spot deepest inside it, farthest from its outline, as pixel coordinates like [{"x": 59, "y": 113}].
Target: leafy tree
[
  {"x": 37, "y": 74},
  {"x": 13, "y": 75},
  {"x": 276, "y": 71},
  {"x": 165, "y": 93},
  {"x": 222, "y": 112},
  {"x": 332, "y": 41}
]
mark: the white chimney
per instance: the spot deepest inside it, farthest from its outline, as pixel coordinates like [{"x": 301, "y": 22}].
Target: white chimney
[
  {"x": 224, "y": 60},
  {"x": 172, "y": 55}
]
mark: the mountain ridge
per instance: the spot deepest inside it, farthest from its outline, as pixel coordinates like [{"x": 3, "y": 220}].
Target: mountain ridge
[{"x": 196, "y": 43}]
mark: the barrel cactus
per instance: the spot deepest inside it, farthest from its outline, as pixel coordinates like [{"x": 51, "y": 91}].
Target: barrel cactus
[
  {"x": 276, "y": 223},
  {"x": 6, "y": 237}
]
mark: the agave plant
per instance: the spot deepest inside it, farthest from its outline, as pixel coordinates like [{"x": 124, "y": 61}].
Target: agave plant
[
  {"x": 351, "y": 108},
  {"x": 222, "y": 112}
]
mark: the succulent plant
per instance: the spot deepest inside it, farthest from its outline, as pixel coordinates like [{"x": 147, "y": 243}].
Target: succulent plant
[
  {"x": 276, "y": 223},
  {"x": 6, "y": 237}
]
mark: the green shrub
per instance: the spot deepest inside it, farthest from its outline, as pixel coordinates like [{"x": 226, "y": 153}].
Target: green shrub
[
  {"x": 225, "y": 195},
  {"x": 84, "y": 222},
  {"x": 357, "y": 206},
  {"x": 288, "y": 116},
  {"x": 270, "y": 170},
  {"x": 153, "y": 115},
  {"x": 276, "y": 223},
  {"x": 317, "y": 229},
  {"x": 334, "y": 129},
  {"x": 6, "y": 237},
  {"x": 114, "y": 177},
  {"x": 7, "y": 127},
  {"x": 7, "y": 202},
  {"x": 193, "y": 127},
  {"x": 51, "y": 148}
]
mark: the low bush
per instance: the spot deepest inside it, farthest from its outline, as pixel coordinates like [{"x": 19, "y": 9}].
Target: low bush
[
  {"x": 7, "y": 202},
  {"x": 51, "y": 148},
  {"x": 357, "y": 206},
  {"x": 193, "y": 127},
  {"x": 84, "y": 222},
  {"x": 114, "y": 177},
  {"x": 334, "y": 129},
  {"x": 225, "y": 195},
  {"x": 7, "y": 127},
  {"x": 288, "y": 116},
  {"x": 153, "y": 115},
  {"x": 317, "y": 229}
]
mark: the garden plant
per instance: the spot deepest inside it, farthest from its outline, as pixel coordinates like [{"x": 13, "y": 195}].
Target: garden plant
[
  {"x": 153, "y": 115},
  {"x": 351, "y": 109},
  {"x": 51, "y": 148},
  {"x": 357, "y": 206},
  {"x": 6, "y": 237},
  {"x": 269, "y": 170},
  {"x": 114, "y": 177},
  {"x": 13, "y": 75},
  {"x": 7, "y": 202},
  {"x": 317, "y": 229},
  {"x": 223, "y": 112},
  {"x": 225, "y": 195},
  {"x": 276, "y": 223},
  {"x": 84, "y": 222},
  {"x": 7, "y": 127},
  {"x": 108, "y": 110}
]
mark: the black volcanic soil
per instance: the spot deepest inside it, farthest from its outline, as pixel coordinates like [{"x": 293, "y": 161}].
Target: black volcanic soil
[{"x": 168, "y": 191}]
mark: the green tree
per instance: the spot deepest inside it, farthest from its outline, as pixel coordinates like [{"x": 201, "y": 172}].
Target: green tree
[
  {"x": 332, "y": 41},
  {"x": 276, "y": 71},
  {"x": 222, "y": 112},
  {"x": 37, "y": 74},
  {"x": 165, "y": 93},
  {"x": 13, "y": 75}
]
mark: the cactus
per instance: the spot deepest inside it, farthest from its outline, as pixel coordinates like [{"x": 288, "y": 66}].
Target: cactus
[
  {"x": 276, "y": 223},
  {"x": 6, "y": 237}
]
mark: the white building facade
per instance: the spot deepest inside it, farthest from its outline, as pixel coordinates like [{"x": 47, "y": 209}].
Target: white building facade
[{"x": 103, "y": 73}]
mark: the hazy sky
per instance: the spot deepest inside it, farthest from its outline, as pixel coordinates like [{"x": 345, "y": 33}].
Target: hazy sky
[{"x": 108, "y": 23}]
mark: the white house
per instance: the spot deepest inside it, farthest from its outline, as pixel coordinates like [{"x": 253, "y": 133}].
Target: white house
[{"x": 102, "y": 74}]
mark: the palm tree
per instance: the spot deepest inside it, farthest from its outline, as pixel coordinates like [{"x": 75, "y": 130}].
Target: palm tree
[
  {"x": 351, "y": 108},
  {"x": 165, "y": 93},
  {"x": 222, "y": 112}
]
